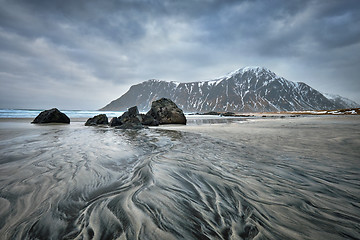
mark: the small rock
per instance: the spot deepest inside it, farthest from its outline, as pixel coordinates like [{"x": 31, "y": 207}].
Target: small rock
[
  {"x": 98, "y": 119},
  {"x": 51, "y": 116}
]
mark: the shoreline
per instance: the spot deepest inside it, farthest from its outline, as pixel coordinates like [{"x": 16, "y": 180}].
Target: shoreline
[{"x": 251, "y": 117}]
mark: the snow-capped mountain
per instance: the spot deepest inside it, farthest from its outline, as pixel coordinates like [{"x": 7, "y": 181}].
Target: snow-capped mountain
[{"x": 249, "y": 89}]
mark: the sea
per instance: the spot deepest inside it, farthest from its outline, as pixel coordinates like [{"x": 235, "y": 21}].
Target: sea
[
  {"x": 32, "y": 113},
  {"x": 253, "y": 178}
]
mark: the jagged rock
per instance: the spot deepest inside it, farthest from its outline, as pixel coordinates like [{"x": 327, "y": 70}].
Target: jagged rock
[
  {"x": 51, "y": 116},
  {"x": 166, "y": 112},
  {"x": 163, "y": 111},
  {"x": 115, "y": 122},
  {"x": 98, "y": 119},
  {"x": 148, "y": 120},
  {"x": 133, "y": 111},
  {"x": 129, "y": 115}
]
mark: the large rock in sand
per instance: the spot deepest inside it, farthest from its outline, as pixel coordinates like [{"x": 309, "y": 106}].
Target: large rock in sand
[
  {"x": 98, "y": 119},
  {"x": 51, "y": 116},
  {"x": 166, "y": 112}
]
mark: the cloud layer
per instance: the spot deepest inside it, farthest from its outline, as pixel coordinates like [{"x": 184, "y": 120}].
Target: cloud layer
[{"x": 83, "y": 54}]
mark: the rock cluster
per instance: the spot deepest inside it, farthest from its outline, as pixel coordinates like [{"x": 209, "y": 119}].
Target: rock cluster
[
  {"x": 129, "y": 120},
  {"x": 163, "y": 111},
  {"x": 51, "y": 116}
]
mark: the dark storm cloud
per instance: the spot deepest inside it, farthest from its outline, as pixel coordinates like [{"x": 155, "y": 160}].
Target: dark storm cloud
[{"x": 84, "y": 49}]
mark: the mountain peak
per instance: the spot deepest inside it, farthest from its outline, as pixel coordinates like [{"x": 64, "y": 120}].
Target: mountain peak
[
  {"x": 253, "y": 69},
  {"x": 248, "y": 69},
  {"x": 248, "y": 89},
  {"x": 153, "y": 80}
]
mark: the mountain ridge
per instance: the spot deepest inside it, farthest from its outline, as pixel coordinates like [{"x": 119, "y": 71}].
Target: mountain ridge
[{"x": 248, "y": 89}]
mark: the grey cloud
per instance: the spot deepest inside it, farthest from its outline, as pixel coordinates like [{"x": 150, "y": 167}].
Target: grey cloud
[{"x": 106, "y": 46}]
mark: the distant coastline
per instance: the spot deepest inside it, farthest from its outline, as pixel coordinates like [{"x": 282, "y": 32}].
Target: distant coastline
[{"x": 85, "y": 114}]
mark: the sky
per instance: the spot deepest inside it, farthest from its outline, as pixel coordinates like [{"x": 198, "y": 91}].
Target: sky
[{"x": 83, "y": 54}]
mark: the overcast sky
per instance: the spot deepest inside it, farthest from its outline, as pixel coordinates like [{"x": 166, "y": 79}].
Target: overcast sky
[{"x": 82, "y": 54}]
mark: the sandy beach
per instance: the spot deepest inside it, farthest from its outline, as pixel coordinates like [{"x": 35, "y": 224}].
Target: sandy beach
[{"x": 215, "y": 178}]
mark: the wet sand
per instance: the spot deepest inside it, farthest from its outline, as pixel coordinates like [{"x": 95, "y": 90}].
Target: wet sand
[
  {"x": 307, "y": 135},
  {"x": 263, "y": 178}
]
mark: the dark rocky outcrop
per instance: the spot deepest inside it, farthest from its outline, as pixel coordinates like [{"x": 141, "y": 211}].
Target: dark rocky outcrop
[
  {"x": 163, "y": 111},
  {"x": 166, "y": 112},
  {"x": 51, "y": 116},
  {"x": 98, "y": 119},
  {"x": 129, "y": 120}
]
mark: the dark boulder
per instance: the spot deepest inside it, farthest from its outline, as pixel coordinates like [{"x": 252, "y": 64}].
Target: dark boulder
[
  {"x": 115, "y": 122},
  {"x": 166, "y": 112},
  {"x": 98, "y": 119},
  {"x": 51, "y": 116}
]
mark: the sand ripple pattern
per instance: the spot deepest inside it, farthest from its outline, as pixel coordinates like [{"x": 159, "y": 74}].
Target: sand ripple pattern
[{"x": 100, "y": 183}]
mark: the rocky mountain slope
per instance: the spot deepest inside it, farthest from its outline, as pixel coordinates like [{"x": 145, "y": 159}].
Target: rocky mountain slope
[
  {"x": 339, "y": 100},
  {"x": 249, "y": 89}
]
